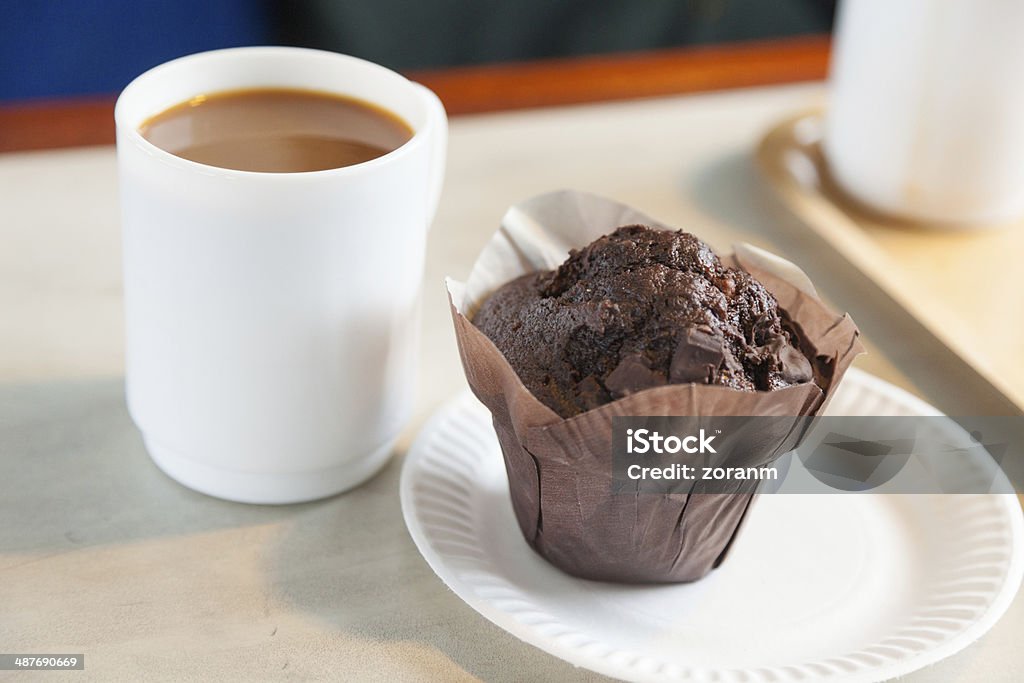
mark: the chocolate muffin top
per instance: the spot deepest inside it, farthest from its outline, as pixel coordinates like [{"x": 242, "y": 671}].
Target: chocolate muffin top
[{"x": 637, "y": 309}]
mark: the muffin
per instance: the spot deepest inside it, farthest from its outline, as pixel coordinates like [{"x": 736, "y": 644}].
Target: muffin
[
  {"x": 637, "y": 309},
  {"x": 581, "y": 310}
]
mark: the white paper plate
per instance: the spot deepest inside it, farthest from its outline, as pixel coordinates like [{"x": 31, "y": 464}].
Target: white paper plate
[{"x": 854, "y": 587}]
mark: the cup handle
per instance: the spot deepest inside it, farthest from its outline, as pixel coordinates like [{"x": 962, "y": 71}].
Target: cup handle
[{"x": 438, "y": 133}]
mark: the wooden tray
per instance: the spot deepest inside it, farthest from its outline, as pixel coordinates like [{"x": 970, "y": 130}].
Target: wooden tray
[{"x": 964, "y": 287}]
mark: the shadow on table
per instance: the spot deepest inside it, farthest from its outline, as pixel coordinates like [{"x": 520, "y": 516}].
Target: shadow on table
[{"x": 76, "y": 474}]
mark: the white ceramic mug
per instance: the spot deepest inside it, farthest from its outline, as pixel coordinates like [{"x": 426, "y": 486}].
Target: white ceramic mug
[
  {"x": 272, "y": 318},
  {"x": 926, "y": 118}
]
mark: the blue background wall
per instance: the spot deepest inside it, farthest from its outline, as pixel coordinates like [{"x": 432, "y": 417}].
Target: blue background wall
[
  {"x": 70, "y": 47},
  {"x": 55, "y": 48}
]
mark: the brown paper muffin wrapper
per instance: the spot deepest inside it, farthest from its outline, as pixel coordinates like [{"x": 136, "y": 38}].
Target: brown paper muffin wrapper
[{"x": 560, "y": 470}]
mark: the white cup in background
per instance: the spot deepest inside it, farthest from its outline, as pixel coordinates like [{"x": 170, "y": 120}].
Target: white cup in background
[
  {"x": 272, "y": 318},
  {"x": 926, "y": 117}
]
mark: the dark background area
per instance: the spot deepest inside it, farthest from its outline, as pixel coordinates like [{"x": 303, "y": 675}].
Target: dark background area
[{"x": 55, "y": 48}]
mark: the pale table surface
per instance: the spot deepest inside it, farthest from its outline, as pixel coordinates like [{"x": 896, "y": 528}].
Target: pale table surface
[{"x": 102, "y": 554}]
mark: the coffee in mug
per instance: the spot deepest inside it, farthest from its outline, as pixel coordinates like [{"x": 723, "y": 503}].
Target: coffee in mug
[{"x": 276, "y": 130}]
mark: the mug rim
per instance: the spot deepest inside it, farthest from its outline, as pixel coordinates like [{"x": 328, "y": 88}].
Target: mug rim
[{"x": 132, "y": 135}]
